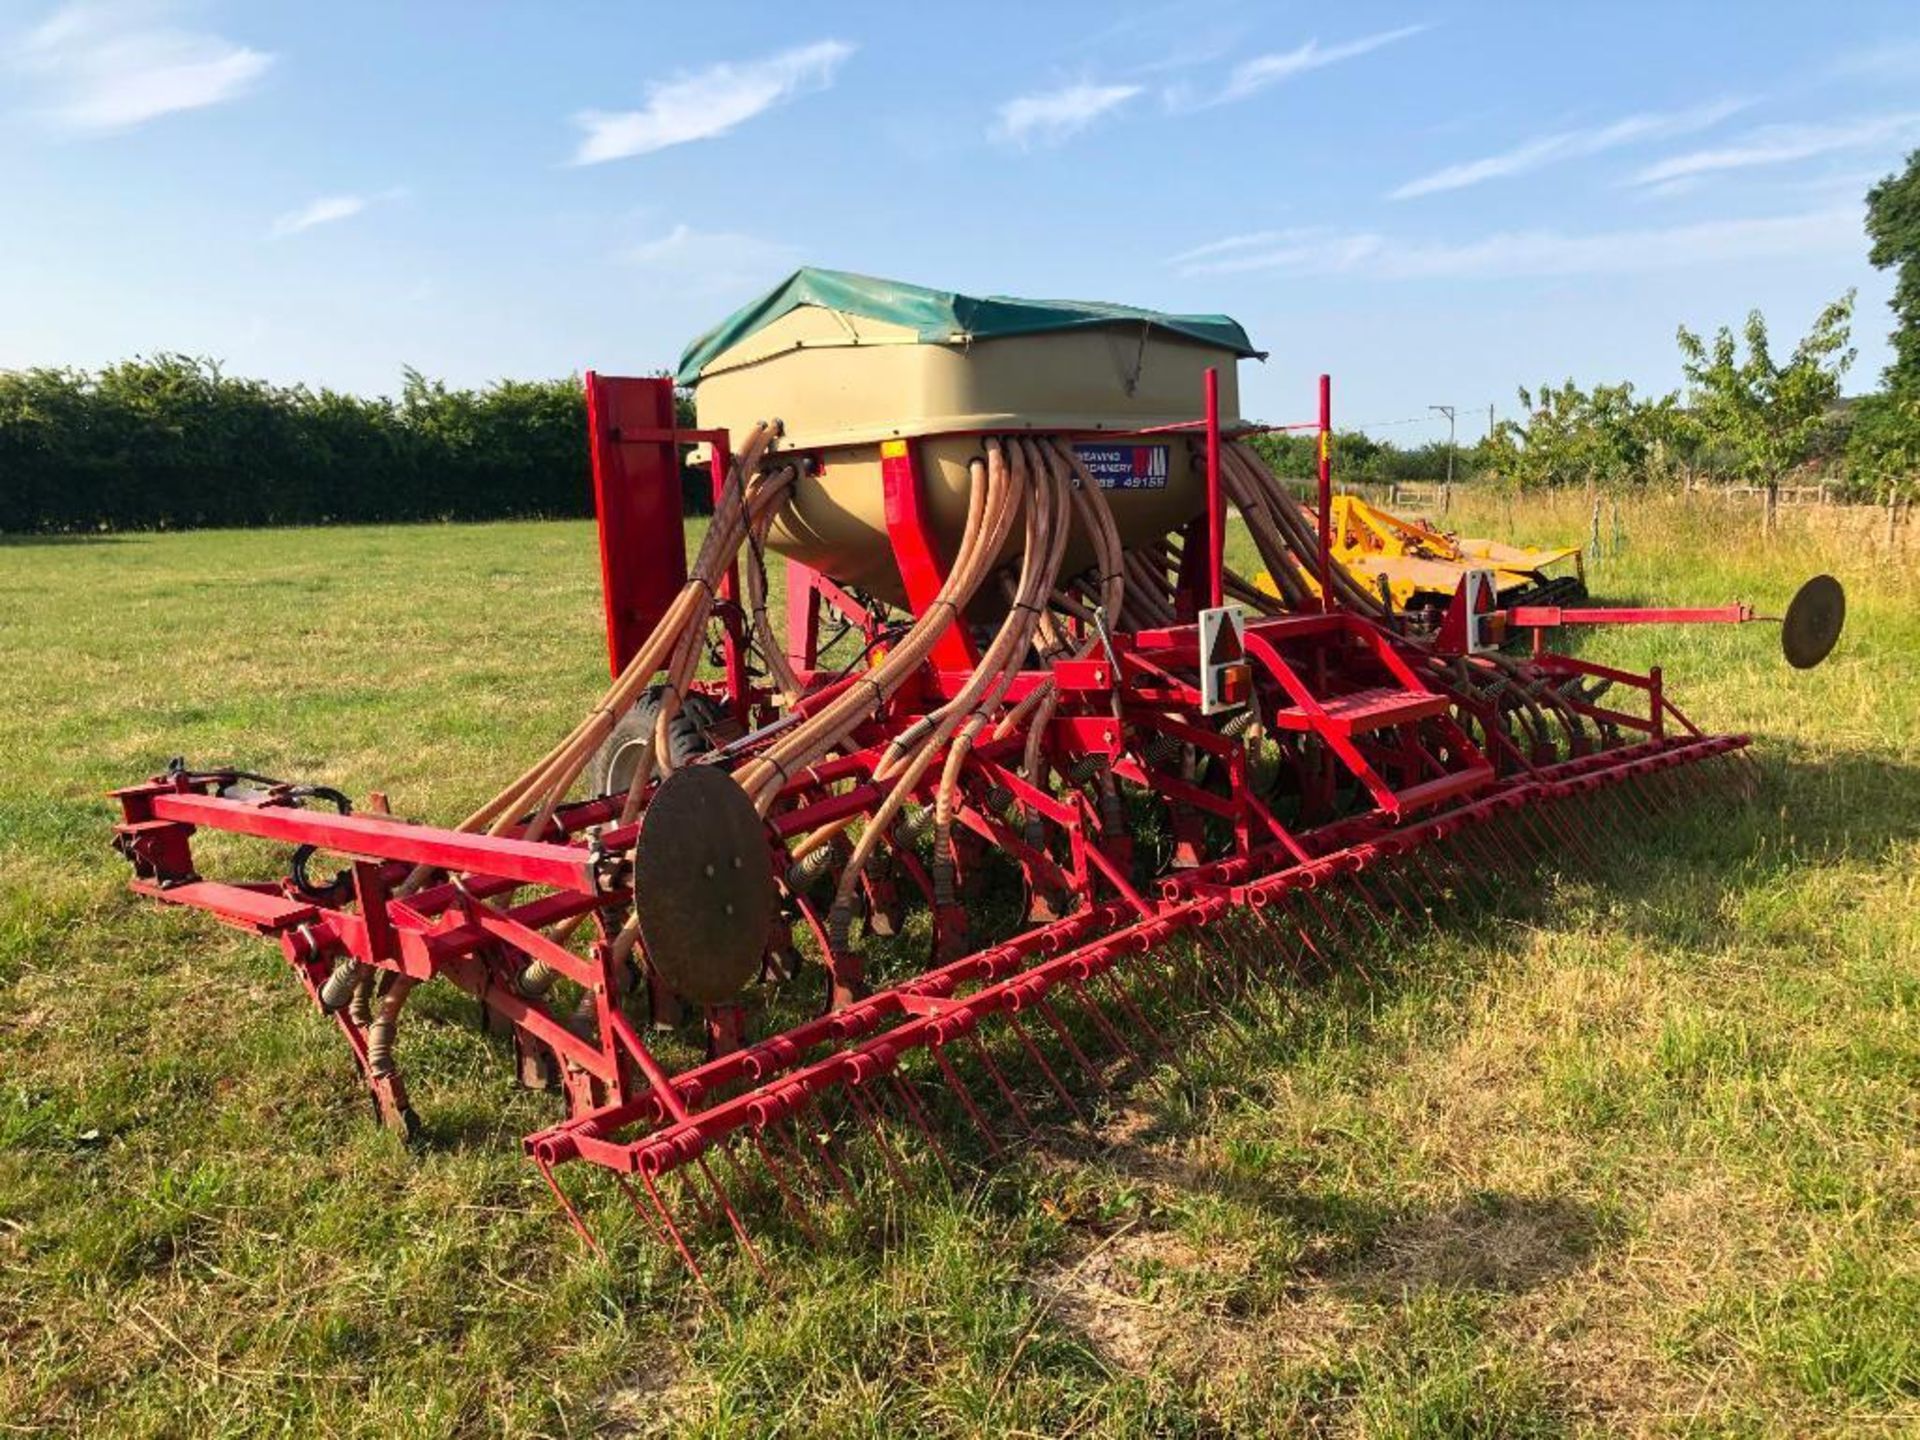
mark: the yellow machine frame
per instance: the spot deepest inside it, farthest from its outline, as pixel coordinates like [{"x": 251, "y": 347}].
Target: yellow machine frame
[{"x": 1421, "y": 567}]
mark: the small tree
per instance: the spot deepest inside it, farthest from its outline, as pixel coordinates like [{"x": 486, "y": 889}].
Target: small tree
[
  {"x": 1764, "y": 417},
  {"x": 1572, "y": 436}
]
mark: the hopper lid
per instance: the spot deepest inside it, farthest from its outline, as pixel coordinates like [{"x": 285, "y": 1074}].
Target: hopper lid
[{"x": 943, "y": 317}]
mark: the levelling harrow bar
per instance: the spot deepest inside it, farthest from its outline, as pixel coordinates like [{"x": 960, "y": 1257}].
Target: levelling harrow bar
[{"x": 1115, "y": 795}]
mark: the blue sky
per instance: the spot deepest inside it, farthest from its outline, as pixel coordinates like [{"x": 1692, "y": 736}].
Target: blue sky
[{"x": 1434, "y": 202}]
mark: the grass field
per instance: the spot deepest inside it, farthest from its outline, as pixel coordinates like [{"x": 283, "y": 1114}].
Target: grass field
[{"x": 1638, "y": 1153}]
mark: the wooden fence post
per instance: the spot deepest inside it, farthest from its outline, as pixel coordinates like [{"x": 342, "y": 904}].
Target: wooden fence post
[{"x": 1773, "y": 505}]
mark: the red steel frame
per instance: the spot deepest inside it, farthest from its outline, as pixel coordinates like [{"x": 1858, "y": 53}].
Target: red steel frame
[{"x": 1351, "y": 698}]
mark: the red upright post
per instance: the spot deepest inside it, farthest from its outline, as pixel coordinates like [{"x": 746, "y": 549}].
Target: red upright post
[
  {"x": 636, "y": 494},
  {"x": 1216, "y": 512},
  {"x": 921, "y": 572},
  {"x": 732, "y": 622},
  {"x": 1326, "y": 492}
]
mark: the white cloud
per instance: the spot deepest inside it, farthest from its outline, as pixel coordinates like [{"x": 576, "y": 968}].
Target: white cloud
[
  {"x": 1782, "y": 144},
  {"x": 1569, "y": 145},
  {"x": 1053, "y": 115},
  {"x": 1511, "y": 254},
  {"x": 115, "y": 64},
  {"x": 1250, "y": 77},
  {"x": 1895, "y": 60},
  {"x": 707, "y": 103},
  {"x": 323, "y": 211},
  {"x": 328, "y": 209},
  {"x": 1231, "y": 244},
  {"x": 706, "y": 261}
]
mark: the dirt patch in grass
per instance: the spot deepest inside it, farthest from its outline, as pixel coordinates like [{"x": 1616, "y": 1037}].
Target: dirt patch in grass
[
  {"x": 1123, "y": 1298},
  {"x": 1500, "y": 1245}
]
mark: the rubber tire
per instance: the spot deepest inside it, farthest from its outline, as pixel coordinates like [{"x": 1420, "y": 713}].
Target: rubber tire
[{"x": 612, "y": 765}]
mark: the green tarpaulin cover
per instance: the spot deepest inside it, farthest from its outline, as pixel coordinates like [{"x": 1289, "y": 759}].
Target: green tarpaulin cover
[{"x": 942, "y": 317}]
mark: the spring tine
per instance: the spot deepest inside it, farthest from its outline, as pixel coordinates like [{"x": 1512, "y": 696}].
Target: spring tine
[
  {"x": 1414, "y": 902},
  {"x": 708, "y": 1216},
  {"x": 1052, "y": 1017},
  {"x": 792, "y": 1201},
  {"x": 1384, "y": 881},
  {"x": 784, "y": 1136},
  {"x": 1221, "y": 999},
  {"x": 1347, "y": 954},
  {"x": 872, "y": 1122},
  {"x": 1000, "y": 1083},
  {"x": 733, "y": 1218},
  {"x": 673, "y": 1231},
  {"x": 959, "y": 1088},
  {"x": 1105, "y": 1026},
  {"x": 823, "y": 1142},
  {"x": 1647, "y": 800},
  {"x": 1145, "y": 1027},
  {"x": 920, "y": 1119},
  {"x": 1149, "y": 974},
  {"x": 1512, "y": 859},
  {"x": 652, "y": 1224},
  {"x": 1545, "y": 834},
  {"x": 566, "y": 1205},
  {"x": 1033, "y": 1053},
  {"x": 1369, "y": 906}
]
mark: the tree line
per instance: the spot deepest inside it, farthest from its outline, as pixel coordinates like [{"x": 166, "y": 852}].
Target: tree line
[{"x": 172, "y": 442}]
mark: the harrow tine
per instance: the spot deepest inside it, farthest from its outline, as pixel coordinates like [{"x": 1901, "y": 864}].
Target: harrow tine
[
  {"x": 733, "y": 1218},
  {"x": 566, "y": 1205},
  {"x": 965, "y": 1096},
  {"x": 1340, "y": 933},
  {"x": 1000, "y": 1083},
  {"x": 1033, "y": 1053},
  {"x": 1396, "y": 874},
  {"x": 1091, "y": 1008},
  {"x": 895, "y": 1168},
  {"x": 919, "y": 1119},
  {"x": 1221, "y": 998},
  {"x": 1149, "y": 974},
  {"x": 1385, "y": 884},
  {"x": 673, "y": 1231},
  {"x": 1059, "y": 1027},
  {"x": 787, "y": 1196},
  {"x": 1145, "y": 1027},
  {"x": 823, "y": 1142}
]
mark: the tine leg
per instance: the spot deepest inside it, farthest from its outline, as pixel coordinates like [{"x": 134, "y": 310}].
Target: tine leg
[
  {"x": 872, "y": 1123},
  {"x": 1033, "y": 1053},
  {"x": 672, "y": 1230},
  {"x": 823, "y": 1142},
  {"x": 1059, "y": 1027},
  {"x": 959, "y": 1088},
  {"x": 919, "y": 1117},
  {"x": 794, "y": 1207},
  {"x": 573, "y": 1216},
  {"x": 1000, "y": 1083}
]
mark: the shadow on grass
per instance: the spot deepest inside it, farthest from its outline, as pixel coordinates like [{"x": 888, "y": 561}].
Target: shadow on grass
[{"x": 16, "y": 541}]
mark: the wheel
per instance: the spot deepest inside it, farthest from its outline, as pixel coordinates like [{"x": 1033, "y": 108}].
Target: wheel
[{"x": 611, "y": 771}]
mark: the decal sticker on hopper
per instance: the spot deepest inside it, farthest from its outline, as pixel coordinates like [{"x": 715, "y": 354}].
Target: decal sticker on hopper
[{"x": 1125, "y": 467}]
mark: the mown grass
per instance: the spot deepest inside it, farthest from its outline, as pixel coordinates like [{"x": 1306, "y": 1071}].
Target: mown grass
[{"x": 1637, "y": 1152}]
